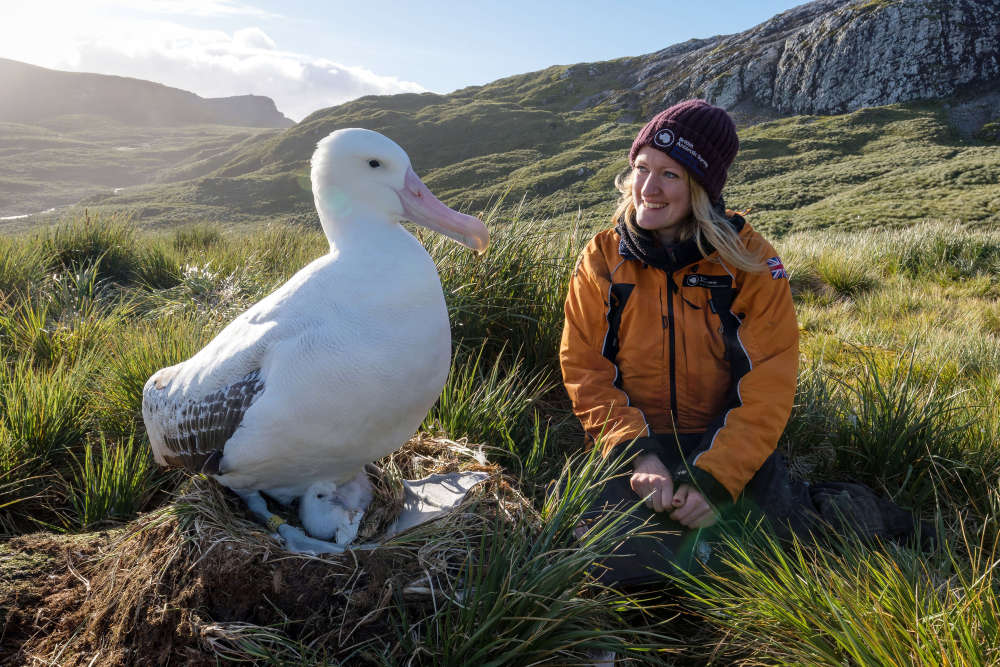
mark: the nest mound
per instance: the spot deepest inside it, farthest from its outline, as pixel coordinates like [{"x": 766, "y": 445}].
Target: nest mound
[{"x": 198, "y": 581}]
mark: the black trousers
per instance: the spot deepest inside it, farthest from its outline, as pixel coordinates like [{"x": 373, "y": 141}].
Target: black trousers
[
  {"x": 772, "y": 500},
  {"x": 771, "y": 494},
  {"x": 771, "y": 497}
]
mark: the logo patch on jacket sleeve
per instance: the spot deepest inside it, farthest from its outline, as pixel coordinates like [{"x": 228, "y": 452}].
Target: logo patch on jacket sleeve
[{"x": 777, "y": 268}]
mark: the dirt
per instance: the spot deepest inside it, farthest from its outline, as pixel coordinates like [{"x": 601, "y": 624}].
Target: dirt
[
  {"x": 35, "y": 574},
  {"x": 179, "y": 586},
  {"x": 157, "y": 602}
]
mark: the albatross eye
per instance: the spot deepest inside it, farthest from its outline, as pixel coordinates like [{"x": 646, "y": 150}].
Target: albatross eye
[{"x": 374, "y": 163}]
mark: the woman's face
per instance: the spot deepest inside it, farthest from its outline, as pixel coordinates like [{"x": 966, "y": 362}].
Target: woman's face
[{"x": 660, "y": 193}]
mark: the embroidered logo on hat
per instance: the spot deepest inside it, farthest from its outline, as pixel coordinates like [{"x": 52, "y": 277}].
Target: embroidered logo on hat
[{"x": 664, "y": 139}]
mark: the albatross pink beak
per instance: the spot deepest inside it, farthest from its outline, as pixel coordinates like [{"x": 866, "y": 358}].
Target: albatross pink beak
[{"x": 423, "y": 208}]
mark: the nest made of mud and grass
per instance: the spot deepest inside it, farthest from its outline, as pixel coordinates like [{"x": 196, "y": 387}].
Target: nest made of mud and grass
[{"x": 183, "y": 584}]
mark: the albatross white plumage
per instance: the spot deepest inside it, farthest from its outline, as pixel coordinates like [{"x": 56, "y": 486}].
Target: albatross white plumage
[{"x": 337, "y": 367}]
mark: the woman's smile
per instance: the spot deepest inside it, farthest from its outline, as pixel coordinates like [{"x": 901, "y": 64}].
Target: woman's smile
[{"x": 660, "y": 193}]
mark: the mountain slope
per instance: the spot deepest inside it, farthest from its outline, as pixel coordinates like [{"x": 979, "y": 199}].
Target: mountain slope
[
  {"x": 33, "y": 93},
  {"x": 559, "y": 135},
  {"x": 879, "y": 166},
  {"x": 66, "y": 136},
  {"x": 830, "y": 57}
]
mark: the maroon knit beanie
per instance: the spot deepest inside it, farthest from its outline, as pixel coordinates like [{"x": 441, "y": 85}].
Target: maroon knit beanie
[{"x": 700, "y": 136}]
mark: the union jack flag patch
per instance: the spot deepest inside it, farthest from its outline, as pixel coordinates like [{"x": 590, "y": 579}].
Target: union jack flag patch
[{"x": 777, "y": 268}]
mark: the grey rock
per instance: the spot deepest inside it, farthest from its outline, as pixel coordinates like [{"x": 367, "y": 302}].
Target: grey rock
[
  {"x": 827, "y": 57},
  {"x": 968, "y": 116}
]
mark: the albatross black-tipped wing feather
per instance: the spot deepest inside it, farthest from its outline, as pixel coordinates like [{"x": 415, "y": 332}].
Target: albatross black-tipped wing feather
[{"x": 195, "y": 431}]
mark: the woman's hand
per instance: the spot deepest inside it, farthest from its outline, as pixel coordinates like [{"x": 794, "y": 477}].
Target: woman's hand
[
  {"x": 691, "y": 509},
  {"x": 651, "y": 480}
]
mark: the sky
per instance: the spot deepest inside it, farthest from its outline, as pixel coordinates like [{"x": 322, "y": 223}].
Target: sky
[{"x": 311, "y": 54}]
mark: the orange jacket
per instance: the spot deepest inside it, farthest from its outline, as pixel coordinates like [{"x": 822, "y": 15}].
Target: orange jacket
[{"x": 642, "y": 351}]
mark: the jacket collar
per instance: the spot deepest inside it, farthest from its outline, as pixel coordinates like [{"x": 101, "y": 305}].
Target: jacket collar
[{"x": 641, "y": 245}]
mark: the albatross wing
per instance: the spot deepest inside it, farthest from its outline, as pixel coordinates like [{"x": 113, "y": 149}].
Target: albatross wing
[{"x": 192, "y": 433}]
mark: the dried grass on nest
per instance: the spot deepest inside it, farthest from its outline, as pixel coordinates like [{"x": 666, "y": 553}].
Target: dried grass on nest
[{"x": 197, "y": 580}]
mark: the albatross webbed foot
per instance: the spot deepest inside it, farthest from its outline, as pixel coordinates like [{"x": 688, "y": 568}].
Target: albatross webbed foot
[{"x": 297, "y": 541}]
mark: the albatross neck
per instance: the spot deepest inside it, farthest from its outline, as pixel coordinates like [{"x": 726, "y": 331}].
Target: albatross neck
[{"x": 365, "y": 232}]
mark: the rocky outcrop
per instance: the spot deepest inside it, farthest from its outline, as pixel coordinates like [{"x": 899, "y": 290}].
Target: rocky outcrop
[
  {"x": 826, "y": 57},
  {"x": 248, "y": 111}
]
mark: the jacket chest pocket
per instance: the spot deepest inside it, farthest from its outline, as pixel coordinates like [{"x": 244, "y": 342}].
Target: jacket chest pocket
[{"x": 634, "y": 341}]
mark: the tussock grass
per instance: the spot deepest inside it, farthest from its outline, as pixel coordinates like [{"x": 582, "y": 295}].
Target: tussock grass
[
  {"x": 489, "y": 403},
  {"x": 25, "y": 331},
  {"x": 133, "y": 356},
  {"x": 157, "y": 268},
  {"x": 896, "y": 429},
  {"x": 853, "y": 604},
  {"x": 281, "y": 250},
  {"x": 815, "y": 416},
  {"x": 206, "y": 292},
  {"x": 17, "y": 485},
  {"x": 109, "y": 241},
  {"x": 195, "y": 237},
  {"x": 510, "y": 298},
  {"x": 945, "y": 306},
  {"x": 47, "y": 334},
  {"x": 847, "y": 277},
  {"x": 22, "y": 266},
  {"x": 78, "y": 289},
  {"x": 42, "y": 411},
  {"x": 947, "y": 252},
  {"x": 111, "y": 483},
  {"x": 901, "y": 354},
  {"x": 928, "y": 250}
]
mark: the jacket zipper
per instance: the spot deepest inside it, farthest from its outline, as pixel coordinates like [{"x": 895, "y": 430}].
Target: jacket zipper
[
  {"x": 670, "y": 324},
  {"x": 673, "y": 365}
]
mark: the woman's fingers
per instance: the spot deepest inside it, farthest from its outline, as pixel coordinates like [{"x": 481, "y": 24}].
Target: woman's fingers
[
  {"x": 687, "y": 506},
  {"x": 694, "y": 511},
  {"x": 689, "y": 513},
  {"x": 640, "y": 483},
  {"x": 655, "y": 498},
  {"x": 656, "y": 489},
  {"x": 666, "y": 496},
  {"x": 681, "y": 496}
]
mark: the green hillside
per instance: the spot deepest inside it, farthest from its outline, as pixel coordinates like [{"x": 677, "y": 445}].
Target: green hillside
[
  {"x": 59, "y": 161},
  {"x": 888, "y": 165}
]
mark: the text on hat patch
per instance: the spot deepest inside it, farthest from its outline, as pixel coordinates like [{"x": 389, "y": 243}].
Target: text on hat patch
[{"x": 689, "y": 147}]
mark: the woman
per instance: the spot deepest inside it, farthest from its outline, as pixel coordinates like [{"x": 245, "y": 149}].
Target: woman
[{"x": 680, "y": 334}]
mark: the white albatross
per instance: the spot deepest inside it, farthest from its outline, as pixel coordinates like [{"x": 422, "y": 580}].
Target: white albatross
[{"x": 333, "y": 370}]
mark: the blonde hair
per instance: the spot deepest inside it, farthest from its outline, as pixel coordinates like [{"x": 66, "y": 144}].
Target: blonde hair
[{"x": 706, "y": 224}]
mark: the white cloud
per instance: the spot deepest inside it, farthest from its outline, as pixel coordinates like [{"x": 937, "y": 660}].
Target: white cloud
[
  {"x": 253, "y": 38},
  {"x": 211, "y": 63},
  {"x": 190, "y": 7}
]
